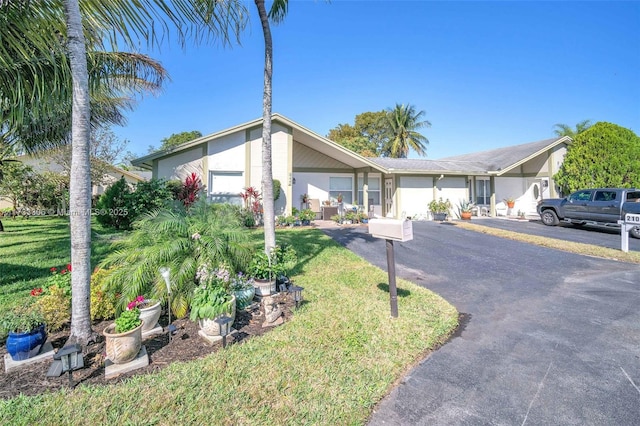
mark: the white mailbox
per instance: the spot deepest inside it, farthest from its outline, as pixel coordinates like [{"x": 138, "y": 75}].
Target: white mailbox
[{"x": 391, "y": 229}]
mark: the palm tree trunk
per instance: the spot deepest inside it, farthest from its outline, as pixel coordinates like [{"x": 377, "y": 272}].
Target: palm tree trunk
[
  {"x": 80, "y": 181},
  {"x": 267, "y": 172}
]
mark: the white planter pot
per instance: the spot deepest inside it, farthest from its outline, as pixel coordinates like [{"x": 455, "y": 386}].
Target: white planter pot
[
  {"x": 212, "y": 328},
  {"x": 264, "y": 287},
  {"x": 150, "y": 316}
]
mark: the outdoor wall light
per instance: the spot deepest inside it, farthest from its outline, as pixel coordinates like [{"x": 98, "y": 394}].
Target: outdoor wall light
[
  {"x": 166, "y": 274},
  {"x": 224, "y": 322},
  {"x": 67, "y": 359},
  {"x": 296, "y": 291}
]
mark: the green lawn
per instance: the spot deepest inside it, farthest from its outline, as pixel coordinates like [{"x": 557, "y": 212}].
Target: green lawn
[
  {"x": 30, "y": 247},
  {"x": 338, "y": 356}
]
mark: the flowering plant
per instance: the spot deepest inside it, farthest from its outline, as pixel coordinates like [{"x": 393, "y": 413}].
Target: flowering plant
[
  {"x": 36, "y": 292},
  {"x": 140, "y": 302},
  {"x": 60, "y": 279},
  {"x": 130, "y": 318},
  {"x": 211, "y": 298},
  {"x": 241, "y": 282}
]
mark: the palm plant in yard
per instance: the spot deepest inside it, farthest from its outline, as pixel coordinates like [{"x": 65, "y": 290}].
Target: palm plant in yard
[
  {"x": 209, "y": 236},
  {"x": 32, "y": 31}
]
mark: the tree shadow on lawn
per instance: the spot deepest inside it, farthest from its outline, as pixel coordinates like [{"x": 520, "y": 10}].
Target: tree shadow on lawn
[{"x": 13, "y": 279}]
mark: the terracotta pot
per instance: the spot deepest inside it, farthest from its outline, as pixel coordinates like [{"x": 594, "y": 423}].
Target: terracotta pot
[
  {"x": 465, "y": 215},
  {"x": 212, "y": 328},
  {"x": 510, "y": 204},
  {"x": 122, "y": 347}
]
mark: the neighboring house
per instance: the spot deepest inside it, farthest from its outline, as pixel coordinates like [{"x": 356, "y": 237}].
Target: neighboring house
[
  {"x": 305, "y": 162},
  {"x": 42, "y": 164}
]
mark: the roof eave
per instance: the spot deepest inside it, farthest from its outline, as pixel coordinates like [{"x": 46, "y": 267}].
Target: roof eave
[{"x": 564, "y": 139}]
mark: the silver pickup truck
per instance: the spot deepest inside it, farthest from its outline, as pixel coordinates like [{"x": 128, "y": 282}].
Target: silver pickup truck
[{"x": 599, "y": 207}]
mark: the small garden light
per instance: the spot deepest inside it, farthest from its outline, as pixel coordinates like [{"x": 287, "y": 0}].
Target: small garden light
[
  {"x": 224, "y": 322},
  {"x": 67, "y": 359},
  {"x": 166, "y": 274},
  {"x": 296, "y": 291}
]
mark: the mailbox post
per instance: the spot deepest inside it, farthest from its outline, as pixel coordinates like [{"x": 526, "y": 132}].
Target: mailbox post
[
  {"x": 630, "y": 221},
  {"x": 391, "y": 230}
]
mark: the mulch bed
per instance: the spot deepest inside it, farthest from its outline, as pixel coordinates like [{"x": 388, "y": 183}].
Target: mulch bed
[{"x": 185, "y": 345}]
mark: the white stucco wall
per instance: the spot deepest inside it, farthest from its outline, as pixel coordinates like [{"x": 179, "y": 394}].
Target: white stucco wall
[
  {"x": 181, "y": 165},
  {"x": 415, "y": 193},
  {"x": 453, "y": 188},
  {"x": 279, "y": 162},
  {"x": 227, "y": 153}
]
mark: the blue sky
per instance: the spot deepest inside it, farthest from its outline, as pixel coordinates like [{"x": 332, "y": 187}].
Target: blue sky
[{"x": 487, "y": 74}]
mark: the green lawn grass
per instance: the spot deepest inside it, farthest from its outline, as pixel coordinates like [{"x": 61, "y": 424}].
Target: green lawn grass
[
  {"x": 30, "y": 247},
  {"x": 578, "y": 248},
  {"x": 330, "y": 364}
]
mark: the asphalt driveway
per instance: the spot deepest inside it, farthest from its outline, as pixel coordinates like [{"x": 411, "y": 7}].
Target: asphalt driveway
[
  {"x": 549, "y": 337},
  {"x": 599, "y": 236}
]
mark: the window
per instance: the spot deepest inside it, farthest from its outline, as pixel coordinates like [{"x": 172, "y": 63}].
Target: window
[
  {"x": 341, "y": 185},
  {"x": 580, "y": 196},
  {"x": 605, "y": 196},
  {"x": 225, "y": 187},
  {"x": 483, "y": 192},
  {"x": 373, "y": 191}
]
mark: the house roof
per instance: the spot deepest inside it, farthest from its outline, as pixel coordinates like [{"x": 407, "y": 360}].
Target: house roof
[
  {"x": 301, "y": 135},
  {"x": 493, "y": 162},
  {"x": 496, "y": 161}
]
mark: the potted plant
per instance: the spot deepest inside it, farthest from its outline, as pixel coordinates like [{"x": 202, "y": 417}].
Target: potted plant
[
  {"x": 339, "y": 198},
  {"x": 351, "y": 217},
  {"x": 440, "y": 208},
  {"x": 211, "y": 299},
  {"x": 510, "y": 202},
  {"x": 150, "y": 310},
  {"x": 306, "y": 216},
  {"x": 464, "y": 209},
  {"x": 266, "y": 268},
  {"x": 25, "y": 326},
  {"x": 363, "y": 217},
  {"x": 305, "y": 199},
  {"x": 123, "y": 338},
  {"x": 243, "y": 289}
]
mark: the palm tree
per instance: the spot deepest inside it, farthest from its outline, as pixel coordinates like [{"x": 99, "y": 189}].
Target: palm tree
[
  {"x": 277, "y": 13},
  {"x": 403, "y": 122},
  {"x": 565, "y": 130},
  {"x": 107, "y": 22}
]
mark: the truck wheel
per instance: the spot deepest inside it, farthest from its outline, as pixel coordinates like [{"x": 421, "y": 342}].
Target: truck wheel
[
  {"x": 635, "y": 232},
  {"x": 549, "y": 217}
]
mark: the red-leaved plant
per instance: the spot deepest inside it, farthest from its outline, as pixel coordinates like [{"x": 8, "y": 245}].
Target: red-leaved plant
[{"x": 190, "y": 191}]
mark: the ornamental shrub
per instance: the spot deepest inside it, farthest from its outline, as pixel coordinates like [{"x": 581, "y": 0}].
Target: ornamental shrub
[
  {"x": 114, "y": 207},
  {"x": 55, "y": 305},
  {"x": 603, "y": 156},
  {"x": 103, "y": 302}
]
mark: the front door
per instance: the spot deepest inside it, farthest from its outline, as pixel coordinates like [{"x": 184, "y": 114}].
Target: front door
[{"x": 388, "y": 197}]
